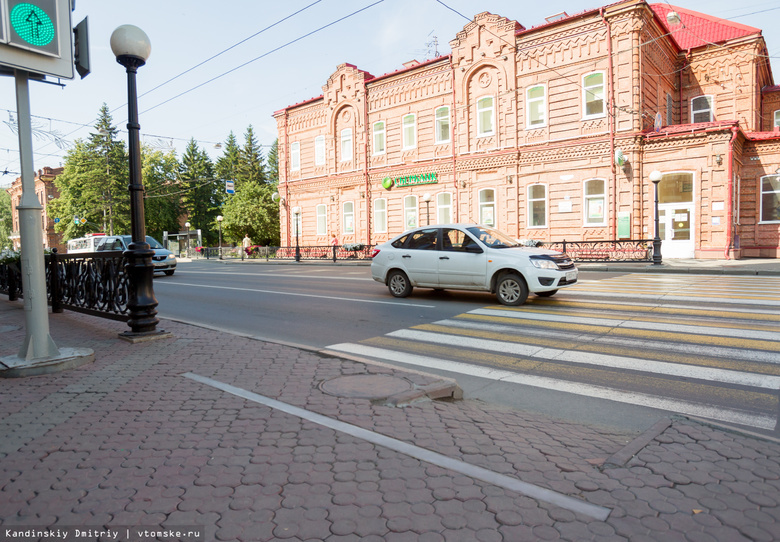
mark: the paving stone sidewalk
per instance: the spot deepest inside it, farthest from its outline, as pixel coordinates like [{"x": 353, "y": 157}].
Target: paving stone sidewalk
[{"x": 131, "y": 440}]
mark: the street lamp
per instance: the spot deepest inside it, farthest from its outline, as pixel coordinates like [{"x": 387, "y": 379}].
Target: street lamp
[
  {"x": 297, "y": 214},
  {"x": 187, "y": 225},
  {"x": 131, "y": 47},
  {"x": 427, "y": 200},
  {"x": 655, "y": 176},
  {"x": 219, "y": 221}
]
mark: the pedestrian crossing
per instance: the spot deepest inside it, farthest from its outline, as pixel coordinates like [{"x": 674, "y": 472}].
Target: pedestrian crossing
[{"x": 694, "y": 359}]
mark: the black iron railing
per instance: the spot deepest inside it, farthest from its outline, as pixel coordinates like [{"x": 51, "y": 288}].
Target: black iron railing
[
  {"x": 92, "y": 282},
  {"x": 321, "y": 253},
  {"x": 605, "y": 251}
]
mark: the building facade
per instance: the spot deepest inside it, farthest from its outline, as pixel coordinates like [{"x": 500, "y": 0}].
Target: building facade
[
  {"x": 45, "y": 190},
  {"x": 550, "y": 133}
]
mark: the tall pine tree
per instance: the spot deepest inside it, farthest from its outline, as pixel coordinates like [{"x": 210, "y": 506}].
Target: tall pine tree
[{"x": 202, "y": 192}]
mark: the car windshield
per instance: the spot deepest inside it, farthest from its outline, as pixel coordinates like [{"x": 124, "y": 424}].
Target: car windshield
[
  {"x": 153, "y": 243},
  {"x": 492, "y": 237}
]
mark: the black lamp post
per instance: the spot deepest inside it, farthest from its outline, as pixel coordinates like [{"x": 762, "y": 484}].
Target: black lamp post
[
  {"x": 219, "y": 222},
  {"x": 427, "y": 200},
  {"x": 131, "y": 47},
  {"x": 297, "y": 214},
  {"x": 655, "y": 177}
]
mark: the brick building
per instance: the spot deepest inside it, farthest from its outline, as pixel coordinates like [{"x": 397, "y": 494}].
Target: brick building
[
  {"x": 45, "y": 190},
  {"x": 550, "y": 133}
]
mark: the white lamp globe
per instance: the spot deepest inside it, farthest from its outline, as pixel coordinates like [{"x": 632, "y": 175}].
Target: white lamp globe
[{"x": 130, "y": 41}]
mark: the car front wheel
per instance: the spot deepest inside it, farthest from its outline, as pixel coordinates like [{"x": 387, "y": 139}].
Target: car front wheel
[
  {"x": 511, "y": 290},
  {"x": 398, "y": 284}
]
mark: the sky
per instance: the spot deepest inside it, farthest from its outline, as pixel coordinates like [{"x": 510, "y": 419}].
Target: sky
[{"x": 219, "y": 67}]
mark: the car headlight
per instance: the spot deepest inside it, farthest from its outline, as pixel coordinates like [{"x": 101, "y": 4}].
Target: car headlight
[
  {"x": 544, "y": 264},
  {"x": 171, "y": 257}
]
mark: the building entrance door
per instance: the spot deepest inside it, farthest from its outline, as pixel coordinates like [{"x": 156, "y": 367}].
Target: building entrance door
[
  {"x": 676, "y": 217},
  {"x": 676, "y": 224}
]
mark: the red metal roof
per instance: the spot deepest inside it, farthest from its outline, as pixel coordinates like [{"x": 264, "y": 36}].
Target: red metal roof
[{"x": 697, "y": 29}]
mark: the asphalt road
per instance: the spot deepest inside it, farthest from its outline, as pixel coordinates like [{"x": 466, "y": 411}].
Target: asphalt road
[{"x": 654, "y": 344}]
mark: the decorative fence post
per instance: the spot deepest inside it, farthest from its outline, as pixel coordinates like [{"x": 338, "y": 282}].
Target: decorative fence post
[{"x": 55, "y": 288}]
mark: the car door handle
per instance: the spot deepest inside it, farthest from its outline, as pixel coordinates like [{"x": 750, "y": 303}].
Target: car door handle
[
  {"x": 406, "y": 256},
  {"x": 444, "y": 257}
]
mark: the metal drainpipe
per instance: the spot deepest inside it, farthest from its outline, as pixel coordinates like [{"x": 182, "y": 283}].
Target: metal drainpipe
[
  {"x": 730, "y": 216},
  {"x": 611, "y": 123},
  {"x": 453, "y": 131},
  {"x": 365, "y": 163}
]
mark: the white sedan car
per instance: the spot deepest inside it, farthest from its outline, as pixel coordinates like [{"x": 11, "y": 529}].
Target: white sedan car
[{"x": 470, "y": 257}]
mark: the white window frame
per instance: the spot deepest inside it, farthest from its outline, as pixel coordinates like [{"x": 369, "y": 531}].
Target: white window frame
[
  {"x": 411, "y": 211},
  {"x": 484, "y": 206},
  {"x": 587, "y": 199},
  {"x": 376, "y": 135},
  {"x": 444, "y": 205},
  {"x": 531, "y": 201},
  {"x": 348, "y": 225},
  {"x": 439, "y": 123},
  {"x": 528, "y": 101},
  {"x": 776, "y": 122},
  {"x": 761, "y": 199},
  {"x": 322, "y": 219},
  {"x": 380, "y": 215},
  {"x": 319, "y": 151},
  {"x": 590, "y": 90},
  {"x": 710, "y": 100},
  {"x": 295, "y": 156},
  {"x": 491, "y": 110},
  {"x": 346, "y": 145},
  {"x": 409, "y": 131}
]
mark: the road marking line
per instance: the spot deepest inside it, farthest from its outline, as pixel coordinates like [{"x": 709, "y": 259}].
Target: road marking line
[
  {"x": 633, "y": 324},
  {"x": 589, "y": 358},
  {"x": 299, "y": 295},
  {"x": 513, "y": 484},
  {"x": 598, "y": 392}
]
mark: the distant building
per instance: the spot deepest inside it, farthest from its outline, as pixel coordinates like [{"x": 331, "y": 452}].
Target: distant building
[
  {"x": 550, "y": 133},
  {"x": 45, "y": 190}
]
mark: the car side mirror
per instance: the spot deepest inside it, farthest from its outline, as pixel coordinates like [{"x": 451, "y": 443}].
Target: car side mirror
[{"x": 473, "y": 249}]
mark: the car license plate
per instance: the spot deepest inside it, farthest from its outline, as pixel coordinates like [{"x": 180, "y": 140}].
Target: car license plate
[{"x": 571, "y": 275}]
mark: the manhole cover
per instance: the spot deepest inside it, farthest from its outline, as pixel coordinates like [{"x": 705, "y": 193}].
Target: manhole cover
[{"x": 365, "y": 386}]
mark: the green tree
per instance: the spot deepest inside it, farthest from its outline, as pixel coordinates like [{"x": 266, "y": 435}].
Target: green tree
[
  {"x": 252, "y": 211},
  {"x": 162, "y": 198},
  {"x": 273, "y": 164},
  {"x": 6, "y": 219},
  {"x": 202, "y": 194},
  {"x": 227, "y": 164},
  {"x": 94, "y": 183},
  {"x": 250, "y": 165}
]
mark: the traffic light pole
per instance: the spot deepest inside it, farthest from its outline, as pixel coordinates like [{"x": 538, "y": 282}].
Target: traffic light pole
[{"x": 38, "y": 343}]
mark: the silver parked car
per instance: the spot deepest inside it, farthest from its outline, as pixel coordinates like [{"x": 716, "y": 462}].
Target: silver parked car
[
  {"x": 470, "y": 257},
  {"x": 164, "y": 260}
]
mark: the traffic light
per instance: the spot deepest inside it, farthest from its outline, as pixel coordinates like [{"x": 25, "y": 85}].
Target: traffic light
[
  {"x": 81, "y": 48},
  {"x": 35, "y": 36}
]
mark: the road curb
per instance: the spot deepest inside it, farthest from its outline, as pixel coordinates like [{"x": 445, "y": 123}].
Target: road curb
[{"x": 624, "y": 455}]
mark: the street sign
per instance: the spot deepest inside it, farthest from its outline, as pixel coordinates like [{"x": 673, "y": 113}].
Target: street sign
[
  {"x": 56, "y": 220},
  {"x": 35, "y": 36},
  {"x": 83, "y": 220},
  {"x": 230, "y": 187}
]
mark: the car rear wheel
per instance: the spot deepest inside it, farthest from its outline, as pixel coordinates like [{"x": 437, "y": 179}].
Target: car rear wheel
[
  {"x": 398, "y": 284},
  {"x": 548, "y": 293},
  {"x": 511, "y": 290}
]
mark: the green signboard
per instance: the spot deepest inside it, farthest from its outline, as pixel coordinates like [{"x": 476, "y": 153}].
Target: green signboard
[
  {"x": 410, "y": 180},
  {"x": 33, "y": 26}
]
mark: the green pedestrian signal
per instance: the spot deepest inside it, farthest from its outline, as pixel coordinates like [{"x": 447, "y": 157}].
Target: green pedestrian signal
[{"x": 33, "y": 26}]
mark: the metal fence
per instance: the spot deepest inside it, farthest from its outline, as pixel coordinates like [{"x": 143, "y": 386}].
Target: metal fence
[
  {"x": 605, "y": 251},
  {"x": 311, "y": 253}
]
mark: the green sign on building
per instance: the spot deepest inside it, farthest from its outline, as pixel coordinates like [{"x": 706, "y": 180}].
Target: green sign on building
[{"x": 410, "y": 180}]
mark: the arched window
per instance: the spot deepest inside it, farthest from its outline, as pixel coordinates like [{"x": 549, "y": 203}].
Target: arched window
[
  {"x": 701, "y": 109},
  {"x": 379, "y": 137},
  {"x": 487, "y": 207},
  {"x": 595, "y": 200},
  {"x": 536, "y": 107},
  {"x": 444, "y": 208},
  {"x": 410, "y": 212},
  {"x": 776, "y": 123},
  {"x": 295, "y": 156},
  {"x": 537, "y": 206},
  {"x": 442, "y": 131},
  {"x": 380, "y": 215},
  {"x": 322, "y": 222},
  {"x": 346, "y": 145},
  {"x": 485, "y": 116},
  {"x": 349, "y": 217},
  {"x": 593, "y": 95}
]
